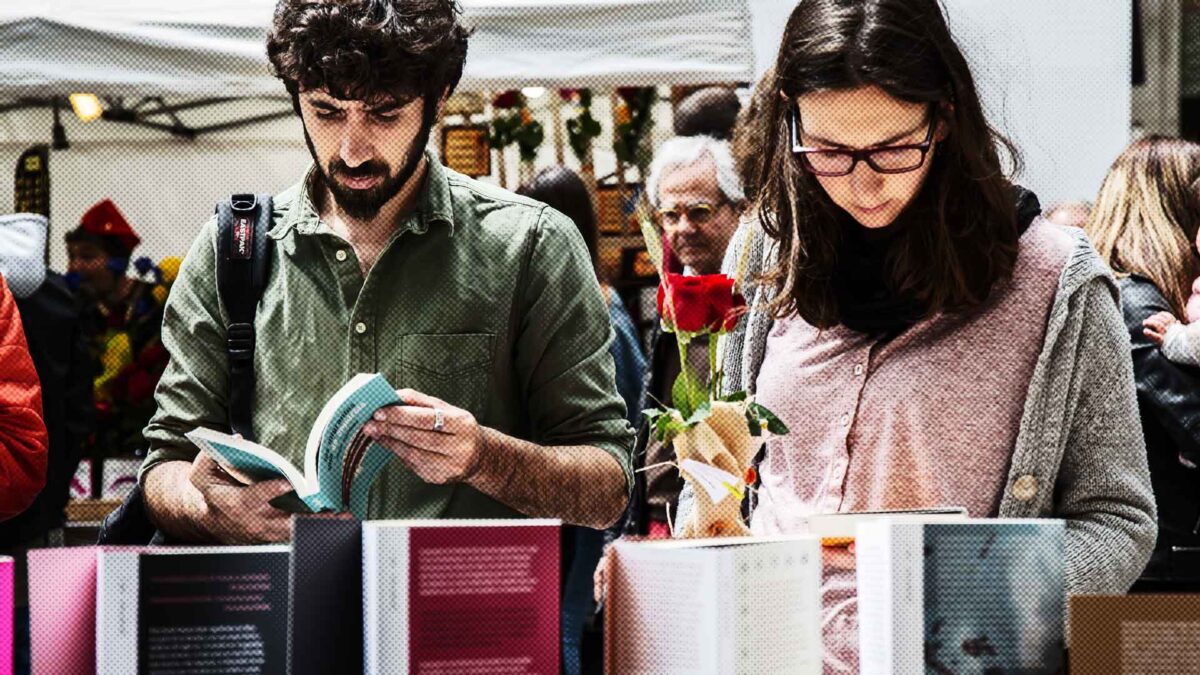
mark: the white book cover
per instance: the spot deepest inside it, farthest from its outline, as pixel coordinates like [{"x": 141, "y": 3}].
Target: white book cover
[
  {"x": 976, "y": 596},
  {"x": 738, "y": 605}
]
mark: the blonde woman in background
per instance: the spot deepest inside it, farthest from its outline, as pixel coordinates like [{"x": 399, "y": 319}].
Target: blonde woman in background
[{"x": 1144, "y": 225}]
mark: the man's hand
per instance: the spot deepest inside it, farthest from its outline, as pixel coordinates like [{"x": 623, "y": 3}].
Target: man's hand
[
  {"x": 1156, "y": 326},
  {"x": 580, "y": 484},
  {"x": 449, "y": 455},
  {"x": 234, "y": 513}
]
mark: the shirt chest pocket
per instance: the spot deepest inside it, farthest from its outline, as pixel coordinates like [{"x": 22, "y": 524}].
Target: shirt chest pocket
[{"x": 454, "y": 367}]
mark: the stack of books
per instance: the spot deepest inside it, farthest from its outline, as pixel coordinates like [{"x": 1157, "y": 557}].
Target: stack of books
[{"x": 345, "y": 596}]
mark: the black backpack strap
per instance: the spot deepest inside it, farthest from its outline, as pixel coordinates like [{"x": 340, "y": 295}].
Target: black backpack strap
[
  {"x": 242, "y": 260},
  {"x": 243, "y": 257}
]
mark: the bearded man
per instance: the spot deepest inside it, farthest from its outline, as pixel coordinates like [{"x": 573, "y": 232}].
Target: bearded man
[{"x": 482, "y": 305}]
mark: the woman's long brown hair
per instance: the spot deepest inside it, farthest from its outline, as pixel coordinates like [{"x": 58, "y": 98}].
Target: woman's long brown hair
[
  {"x": 1146, "y": 215},
  {"x": 962, "y": 232}
]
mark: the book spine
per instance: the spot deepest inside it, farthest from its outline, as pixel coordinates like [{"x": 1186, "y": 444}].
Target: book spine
[
  {"x": 386, "y": 563},
  {"x": 370, "y": 573},
  {"x": 873, "y": 569},
  {"x": 117, "y": 596},
  {"x": 908, "y": 605}
]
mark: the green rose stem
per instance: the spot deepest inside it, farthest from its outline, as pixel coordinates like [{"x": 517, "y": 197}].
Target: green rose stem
[
  {"x": 713, "y": 379},
  {"x": 682, "y": 343}
]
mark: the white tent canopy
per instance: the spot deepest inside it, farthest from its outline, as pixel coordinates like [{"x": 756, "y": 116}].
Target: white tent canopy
[
  {"x": 214, "y": 48},
  {"x": 1054, "y": 76}
]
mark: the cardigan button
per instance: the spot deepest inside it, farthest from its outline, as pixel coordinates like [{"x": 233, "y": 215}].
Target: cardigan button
[{"x": 1024, "y": 488}]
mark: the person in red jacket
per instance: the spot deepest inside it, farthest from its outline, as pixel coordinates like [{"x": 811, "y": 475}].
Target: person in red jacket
[{"x": 23, "y": 437}]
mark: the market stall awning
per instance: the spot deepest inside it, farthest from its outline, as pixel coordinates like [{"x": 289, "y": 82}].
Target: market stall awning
[{"x": 215, "y": 48}]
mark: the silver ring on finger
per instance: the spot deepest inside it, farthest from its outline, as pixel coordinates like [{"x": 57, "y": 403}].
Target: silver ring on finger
[{"x": 439, "y": 420}]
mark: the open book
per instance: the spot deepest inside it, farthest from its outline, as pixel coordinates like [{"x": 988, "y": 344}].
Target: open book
[{"x": 340, "y": 461}]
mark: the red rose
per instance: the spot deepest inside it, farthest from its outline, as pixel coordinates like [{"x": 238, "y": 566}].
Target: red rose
[
  {"x": 507, "y": 100},
  {"x": 718, "y": 292},
  {"x": 568, "y": 95},
  {"x": 734, "y": 313},
  {"x": 687, "y": 311},
  {"x": 704, "y": 304}
]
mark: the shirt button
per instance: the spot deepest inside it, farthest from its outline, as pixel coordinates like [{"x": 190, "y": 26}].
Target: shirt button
[
  {"x": 845, "y": 420},
  {"x": 360, "y": 328},
  {"x": 341, "y": 255},
  {"x": 858, "y": 369},
  {"x": 1024, "y": 488}
]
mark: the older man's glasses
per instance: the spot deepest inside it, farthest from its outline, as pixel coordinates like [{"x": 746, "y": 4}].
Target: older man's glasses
[
  {"x": 830, "y": 162},
  {"x": 698, "y": 213}
]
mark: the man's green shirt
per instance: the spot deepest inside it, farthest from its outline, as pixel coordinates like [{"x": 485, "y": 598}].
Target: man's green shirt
[{"x": 482, "y": 298}]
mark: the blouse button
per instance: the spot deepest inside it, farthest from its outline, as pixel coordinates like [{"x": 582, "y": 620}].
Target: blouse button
[
  {"x": 858, "y": 369},
  {"x": 341, "y": 255},
  {"x": 1025, "y": 487},
  {"x": 360, "y": 328}
]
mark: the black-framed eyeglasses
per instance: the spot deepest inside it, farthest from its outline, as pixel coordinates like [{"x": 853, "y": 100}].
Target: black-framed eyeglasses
[
  {"x": 831, "y": 162},
  {"x": 697, "y": 213}
]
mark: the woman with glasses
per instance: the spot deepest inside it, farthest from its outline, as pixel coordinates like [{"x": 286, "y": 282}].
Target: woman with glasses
[{"x": 928, "y": 339}]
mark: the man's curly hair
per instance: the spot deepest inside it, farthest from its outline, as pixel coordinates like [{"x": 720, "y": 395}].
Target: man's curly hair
[{"x": 369, "y": 49}]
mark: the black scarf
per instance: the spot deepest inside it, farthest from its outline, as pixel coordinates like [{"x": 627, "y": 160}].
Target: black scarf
[{"x": 867, "y": 303}]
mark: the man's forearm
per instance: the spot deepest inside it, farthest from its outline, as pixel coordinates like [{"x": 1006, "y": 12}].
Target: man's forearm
[
  {"x": 173, "y": 503},
  {"x": 581, "y": 485}
]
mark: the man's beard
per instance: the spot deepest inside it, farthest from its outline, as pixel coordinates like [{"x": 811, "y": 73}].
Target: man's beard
[{"x": 364, "y": 204}]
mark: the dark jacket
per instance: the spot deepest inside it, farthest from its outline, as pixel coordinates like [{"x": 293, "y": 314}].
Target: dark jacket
[
  {"x": 59, "y": 351},
  {"x": 1169, "y": 403}
]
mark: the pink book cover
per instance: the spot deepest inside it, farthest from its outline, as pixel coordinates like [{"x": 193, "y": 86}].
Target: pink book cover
[
  {"x": 6, "y": 615},
  {"x": 62, "y": 610},
  {"x": 484, "y": 597}
]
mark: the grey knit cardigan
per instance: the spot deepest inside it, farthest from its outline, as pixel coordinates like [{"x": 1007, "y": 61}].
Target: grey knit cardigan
[{"x": 1079, "y": 455}]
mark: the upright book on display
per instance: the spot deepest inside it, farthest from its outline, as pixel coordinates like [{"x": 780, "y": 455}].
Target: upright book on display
[
  {"x": 326, "y": 581},
  {"x": 6, "y": 615},
  {"x": 977, "y": 596},
  {"x": 1135, "y": 634},
  {"x": 203, "y": 609},
  {"x": 445, "y": 596},
  {"x": 737, "y": 606},
  {"x": 62, "y": 610}
]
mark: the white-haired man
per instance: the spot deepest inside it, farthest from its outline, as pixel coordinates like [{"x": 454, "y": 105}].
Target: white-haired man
[{"x": 695, "y": 188}]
